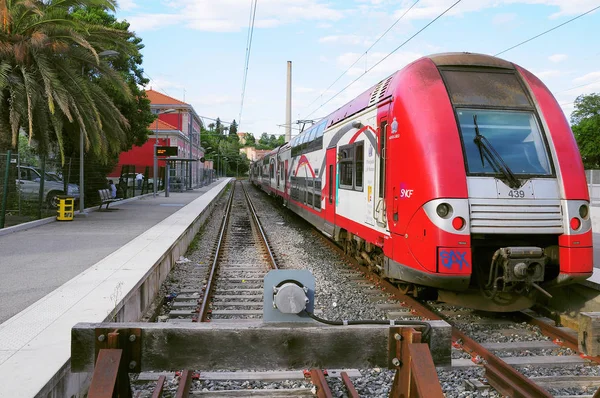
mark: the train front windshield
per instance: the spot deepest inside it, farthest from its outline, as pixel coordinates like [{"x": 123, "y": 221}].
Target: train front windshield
[{"x": 514, "y": 135}]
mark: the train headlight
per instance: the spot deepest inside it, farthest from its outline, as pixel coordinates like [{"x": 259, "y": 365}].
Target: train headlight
[
  {"x": 584, "y": 211},
  {"x": 443, "y": 210}
]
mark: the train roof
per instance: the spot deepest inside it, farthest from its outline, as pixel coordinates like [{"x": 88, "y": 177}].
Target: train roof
[{"x": 383, "y": 90}]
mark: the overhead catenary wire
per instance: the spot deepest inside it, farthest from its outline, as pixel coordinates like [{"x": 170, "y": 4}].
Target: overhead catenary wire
[
  {"x": 248, "y": 50},
  {"x": 363, "y": 54},
  {"x": 156, "y": 85},
  {"x": 547, "y": 31},
  {"x": 387, "y": 56},
  {"x": 581, "y": 85}
]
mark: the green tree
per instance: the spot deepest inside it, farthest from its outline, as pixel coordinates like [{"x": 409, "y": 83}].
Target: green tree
[
  {"x": 27, "y": 155},
  {"x": 53, "y": 79},
  {"x": 264, "y": 140},
  {"x": 280, "y": 140},
  {"x": 233, "y": 128},
  {"x": 585, "y": 121},
  {"x": 250, "y": 140},
  {"x": 136, "y": 110}
]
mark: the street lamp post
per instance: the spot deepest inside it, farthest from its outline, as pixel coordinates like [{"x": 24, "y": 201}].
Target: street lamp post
[
  {"x": 155, "y": 182},
  {"x": 102, "y": 54}
]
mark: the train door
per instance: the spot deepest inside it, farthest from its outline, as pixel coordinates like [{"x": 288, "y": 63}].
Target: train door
[
  {"x": 331, "y": 186},
  {"x": 380, "y": 167},
  {"x": 278, "y": 172},
  {"x": 285, "y": 181}
]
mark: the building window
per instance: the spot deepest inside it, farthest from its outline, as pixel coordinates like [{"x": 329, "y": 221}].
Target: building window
[{"x": 351, "y": 166}]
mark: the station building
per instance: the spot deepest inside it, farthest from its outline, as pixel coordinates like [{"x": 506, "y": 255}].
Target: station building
[{"x": 178, "y": 125}]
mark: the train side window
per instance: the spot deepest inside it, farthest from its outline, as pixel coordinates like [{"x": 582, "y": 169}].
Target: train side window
[
  {"x": 272, "y": 168},
  {"x": 346, "y": 163},
  {"x": 317, "y": 199},
  {"x": 359, "y": 154}
]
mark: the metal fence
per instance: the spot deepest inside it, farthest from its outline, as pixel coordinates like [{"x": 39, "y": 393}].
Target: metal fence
[
  {"x": 593, "y": 180},
  {"x": 30, "y": 185}
]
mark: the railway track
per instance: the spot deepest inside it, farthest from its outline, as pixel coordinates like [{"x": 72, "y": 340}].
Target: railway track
[
  {"x": 231, "y": 286},
  {"x": 515, "y": 349}
]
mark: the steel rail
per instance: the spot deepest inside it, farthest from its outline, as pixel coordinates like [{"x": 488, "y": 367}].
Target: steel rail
[
  {"x": 503, "y": 377},
  {"x": 209, "y": 283},
  {"x": 185, "y": 382},
  {"x": 352, "y": 393},
  {"x": 263, "y": 236}
]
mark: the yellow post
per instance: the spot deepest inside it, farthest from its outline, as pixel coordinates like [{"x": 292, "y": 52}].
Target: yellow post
[{"x": 66, "y": 206}]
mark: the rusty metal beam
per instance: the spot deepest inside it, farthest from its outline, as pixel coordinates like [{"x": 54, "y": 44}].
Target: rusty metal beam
[
  {"x": 157, "y": 393},
  {"x": 185, "y": 382},
  {"x": 352, "y": 393},
  {"x": 104, "y": 378},
  {"x": 318, "y": 379},
  {"x": 424, "y": 380}
]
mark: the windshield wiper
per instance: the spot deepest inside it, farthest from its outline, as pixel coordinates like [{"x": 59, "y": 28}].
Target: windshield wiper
[{"x": 487, "y": 150}]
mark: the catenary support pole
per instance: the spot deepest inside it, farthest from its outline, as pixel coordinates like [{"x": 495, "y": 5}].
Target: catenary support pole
[
  {"x": 5, "y": 190},
  {"x": 288, "y": 104}
]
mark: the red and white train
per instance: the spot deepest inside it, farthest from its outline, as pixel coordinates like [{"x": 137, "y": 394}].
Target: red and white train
[{"x": 458, "y": 172}]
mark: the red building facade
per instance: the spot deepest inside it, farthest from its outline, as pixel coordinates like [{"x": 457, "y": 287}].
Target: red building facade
[{"x": 177, "y": 125}]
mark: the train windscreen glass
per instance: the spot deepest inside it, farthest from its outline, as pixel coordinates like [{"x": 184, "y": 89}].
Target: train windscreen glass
[{"x": 514, "y": 135}]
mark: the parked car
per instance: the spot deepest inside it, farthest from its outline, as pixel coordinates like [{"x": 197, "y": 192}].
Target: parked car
[{"x": 28, "y": 184}]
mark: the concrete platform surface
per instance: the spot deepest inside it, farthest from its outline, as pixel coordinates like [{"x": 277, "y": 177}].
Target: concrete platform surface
[
  {"x": 62, "y": 273},
  {"x": 36, "y": 261}
]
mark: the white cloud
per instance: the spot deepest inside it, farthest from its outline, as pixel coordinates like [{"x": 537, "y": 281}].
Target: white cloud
[
  {"x": 547, "y": 74},
  {"x": 587, "y": 78},
  {"x": 429, "y": 9},
  {"x": 391, "y": 64},
  {"x": 126, "y": 5},
  {"x": 163, "y": 85},
  {"x": 230, "y": 16},
  {"x": 504, "y": 18},
  {"x": 144, "y": 22},
  {"x": 556, "y": 58}
]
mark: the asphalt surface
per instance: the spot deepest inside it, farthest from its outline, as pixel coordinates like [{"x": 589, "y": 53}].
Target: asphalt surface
[{"x": 36, "y": 261}]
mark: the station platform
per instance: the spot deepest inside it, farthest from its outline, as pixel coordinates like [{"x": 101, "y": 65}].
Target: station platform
[{"x": 104, "y": 266}]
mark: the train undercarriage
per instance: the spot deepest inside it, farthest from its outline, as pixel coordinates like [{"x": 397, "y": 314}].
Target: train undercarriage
[{"x": 506, "y": 278}]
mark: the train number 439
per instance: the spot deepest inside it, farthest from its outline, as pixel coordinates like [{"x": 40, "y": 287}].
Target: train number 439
[{"x": 516, "y": 193}]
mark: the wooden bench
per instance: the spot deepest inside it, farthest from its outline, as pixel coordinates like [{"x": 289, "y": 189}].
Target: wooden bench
[{"x": 106, "y": 199}]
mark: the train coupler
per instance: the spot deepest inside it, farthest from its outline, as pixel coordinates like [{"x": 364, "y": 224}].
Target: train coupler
[{"x": 517, "y": 267}]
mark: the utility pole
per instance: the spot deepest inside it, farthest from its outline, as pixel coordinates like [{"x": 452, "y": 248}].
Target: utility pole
[{"x": 288, "y": 104}]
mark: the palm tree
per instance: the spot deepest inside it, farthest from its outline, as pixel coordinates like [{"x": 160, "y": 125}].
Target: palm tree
[{"x": 49, "y": 73}]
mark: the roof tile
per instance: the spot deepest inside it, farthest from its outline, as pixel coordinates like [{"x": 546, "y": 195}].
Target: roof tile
[{"x": 157, "y": 98}]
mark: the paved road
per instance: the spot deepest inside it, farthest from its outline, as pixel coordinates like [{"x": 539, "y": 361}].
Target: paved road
[{"x": 36, "y": 261}]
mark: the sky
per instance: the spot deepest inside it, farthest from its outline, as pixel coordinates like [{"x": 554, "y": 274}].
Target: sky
[{"x": 195, "y": 50}]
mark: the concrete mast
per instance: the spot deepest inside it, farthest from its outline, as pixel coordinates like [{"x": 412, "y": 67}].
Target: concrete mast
[{"x": 288, "y": 104}]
